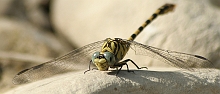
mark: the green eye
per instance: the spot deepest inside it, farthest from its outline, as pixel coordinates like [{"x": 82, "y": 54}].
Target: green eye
[
  {"x": 95, "y": 55},
  {"x": 110, "y": 58}
]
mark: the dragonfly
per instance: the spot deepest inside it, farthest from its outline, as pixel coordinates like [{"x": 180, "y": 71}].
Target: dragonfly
[{"x": 109, "y": 53}]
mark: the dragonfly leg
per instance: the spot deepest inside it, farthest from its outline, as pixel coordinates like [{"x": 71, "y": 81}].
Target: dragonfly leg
[
  {"x": 119, "y": 70},
  {"x": 121, "y": 64},
  {"x": 125, "y": 61},
  {"x": 89, "y": 67}
]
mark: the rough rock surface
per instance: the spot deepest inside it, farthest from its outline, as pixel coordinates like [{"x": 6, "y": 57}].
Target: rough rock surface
[
  {"x": 192, "y": 28},
  {"x": 201, "y": 81}
]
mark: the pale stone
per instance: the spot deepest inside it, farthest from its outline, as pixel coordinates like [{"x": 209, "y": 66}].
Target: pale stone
[{"x": 201, "y": 81}]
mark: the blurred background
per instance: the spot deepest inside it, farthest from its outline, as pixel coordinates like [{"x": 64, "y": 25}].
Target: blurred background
[{"x": 35, "y": 31}]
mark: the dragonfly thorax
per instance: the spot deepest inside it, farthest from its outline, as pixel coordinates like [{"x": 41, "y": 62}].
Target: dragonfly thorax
[
  {"x": 116, "y": 46},
  {"x": 103, "y": 60}
]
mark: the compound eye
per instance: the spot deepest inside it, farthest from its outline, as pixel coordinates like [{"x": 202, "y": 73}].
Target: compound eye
[
  {"x": 95, "y": 55},
  {"x": 110, "y": 58}
]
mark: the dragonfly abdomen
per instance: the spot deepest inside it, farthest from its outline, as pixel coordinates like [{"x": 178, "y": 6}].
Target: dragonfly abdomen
[{"x": 162, "y": 10}]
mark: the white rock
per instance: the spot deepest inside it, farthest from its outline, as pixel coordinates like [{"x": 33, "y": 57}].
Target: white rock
[
  {"x": 201, "y": 81},
  {"x": 192, "y": 28}
]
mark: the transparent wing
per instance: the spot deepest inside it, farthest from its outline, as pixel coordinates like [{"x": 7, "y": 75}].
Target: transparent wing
[
  {"x": 176, "y": 59},
  {"x": 77, "y": 59}
]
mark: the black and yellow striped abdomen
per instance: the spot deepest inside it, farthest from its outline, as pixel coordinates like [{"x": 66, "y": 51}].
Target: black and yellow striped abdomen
[{"x": 162, "y": 10}]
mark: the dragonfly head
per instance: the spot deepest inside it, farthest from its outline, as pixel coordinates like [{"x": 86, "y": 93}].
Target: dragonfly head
[{"x": 103, "y": 60}]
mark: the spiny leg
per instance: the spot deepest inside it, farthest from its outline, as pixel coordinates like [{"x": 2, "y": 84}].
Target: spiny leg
[
  {"x": 89, "y": 67},
  {"x": 121, "y": 68},
  {"x": 162, "y": 10},
  {"x": 121, "y": 64},
  {"x": 133, "y": 63}
]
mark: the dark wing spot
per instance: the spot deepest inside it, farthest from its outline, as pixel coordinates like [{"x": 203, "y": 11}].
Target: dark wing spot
[
  {"x": 200, "y": 57},
  {"x": 22, "y": 71},
  {"x": 38, "y": 66},
  {"x": 35, "y": 67}
]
